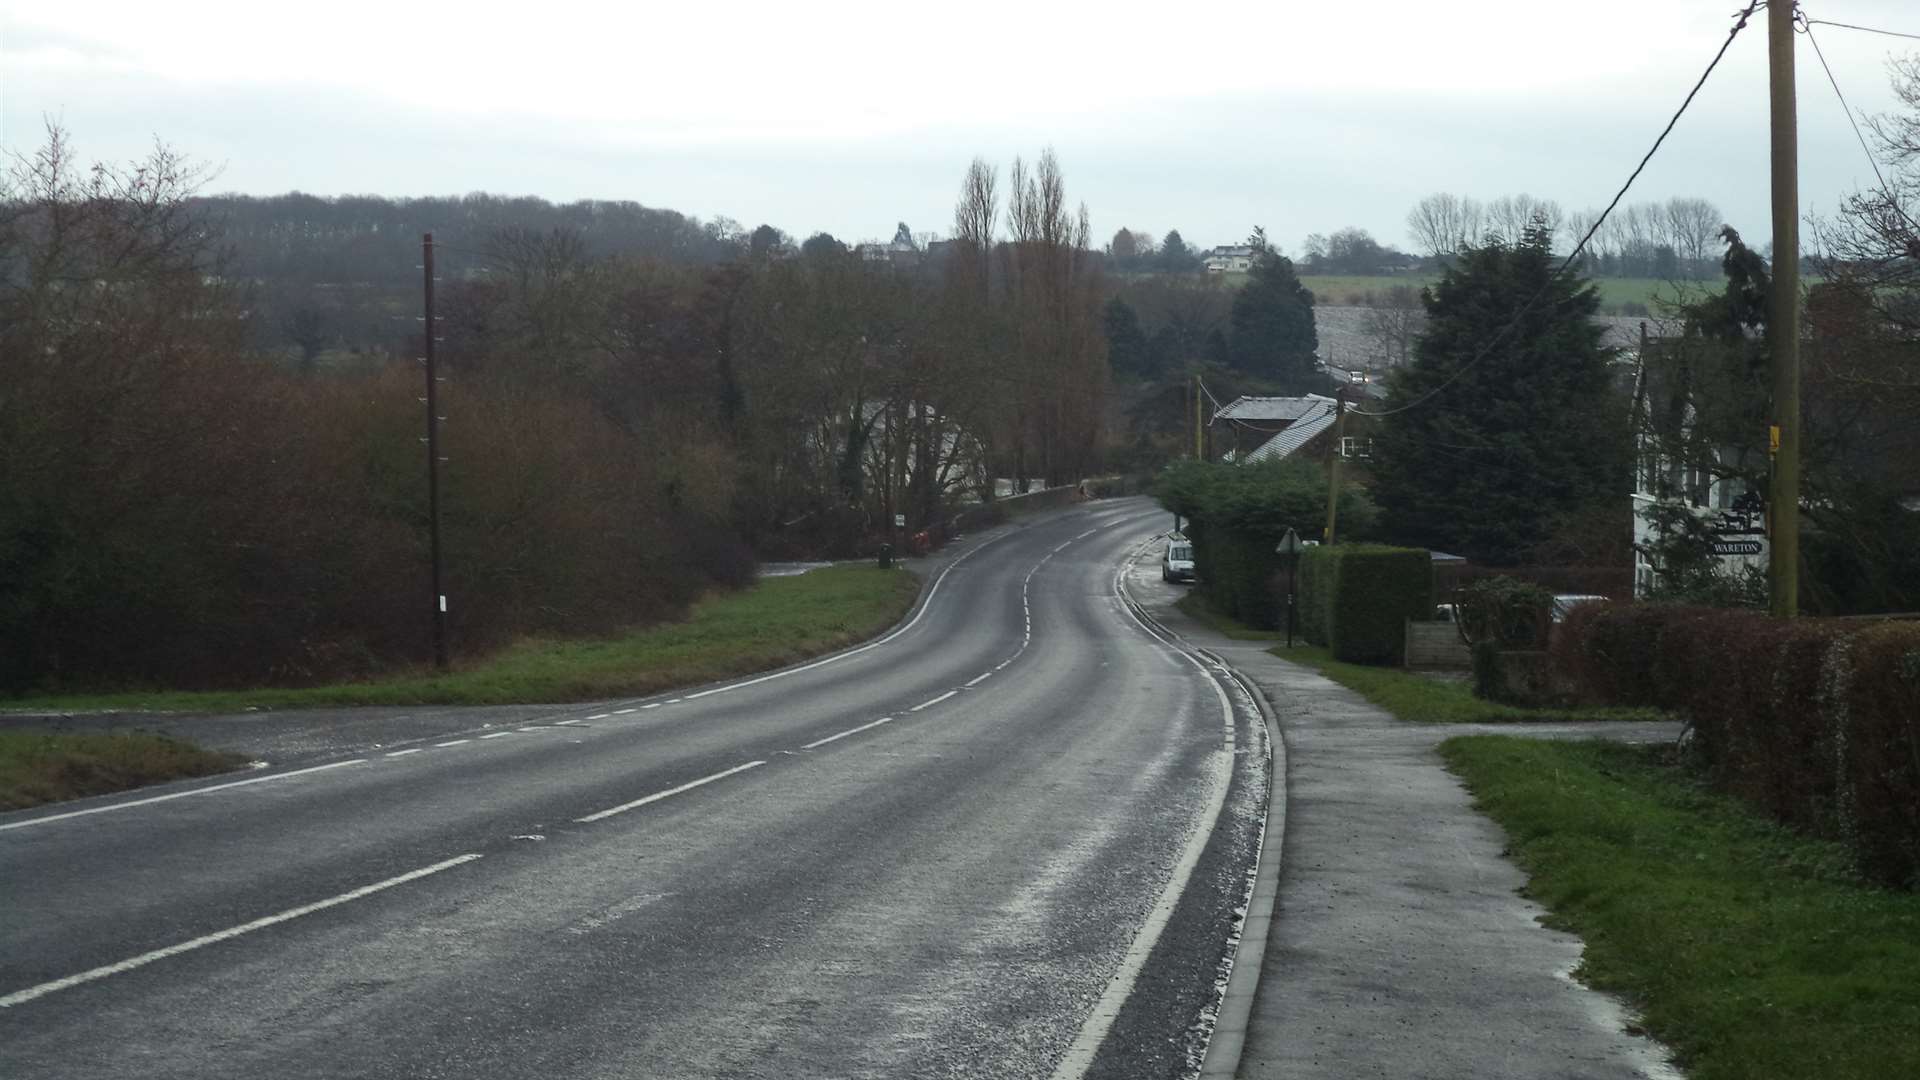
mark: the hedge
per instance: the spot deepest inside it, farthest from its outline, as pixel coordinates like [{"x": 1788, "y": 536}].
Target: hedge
[
  {"x": 1815, "y": 721},
  {"x": 1311, "y": 597},
  {"x": 1376, "y": 589}
]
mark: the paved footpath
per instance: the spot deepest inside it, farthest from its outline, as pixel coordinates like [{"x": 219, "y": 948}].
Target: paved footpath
[{"x": 1400, "y": 946}]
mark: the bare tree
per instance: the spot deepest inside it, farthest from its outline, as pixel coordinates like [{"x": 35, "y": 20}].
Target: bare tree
[
  {"x": 974, "y": 220},
  {"x": 1394, "y": 321},
  {"x": 1692, "y": 226},
  {"x": 1443, "y": 223},
  {"x": 1509, "y": 216}
]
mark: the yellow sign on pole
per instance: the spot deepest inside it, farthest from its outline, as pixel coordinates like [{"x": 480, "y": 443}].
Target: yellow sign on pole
[{"x": 1773, "y": 438}]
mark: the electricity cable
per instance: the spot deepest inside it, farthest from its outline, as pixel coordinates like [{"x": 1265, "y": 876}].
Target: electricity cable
[{"x": 1487, "y": 349}]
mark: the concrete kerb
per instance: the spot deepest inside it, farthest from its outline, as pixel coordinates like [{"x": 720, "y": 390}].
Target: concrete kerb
[{"x": 1227, "y": 1041}]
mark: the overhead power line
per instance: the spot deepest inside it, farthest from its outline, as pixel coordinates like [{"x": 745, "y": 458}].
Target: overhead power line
[
  {"x": 1740, "y": 24},
  {"x": 1850, "y": 26},
  {"x": 1806, "y": 27}
]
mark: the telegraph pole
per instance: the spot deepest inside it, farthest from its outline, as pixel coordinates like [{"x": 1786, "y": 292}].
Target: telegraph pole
[
  {"x": 1783, "y": 321},
  {"x": 433, "y": 463},
  {"x": 1333, "y": 462}
]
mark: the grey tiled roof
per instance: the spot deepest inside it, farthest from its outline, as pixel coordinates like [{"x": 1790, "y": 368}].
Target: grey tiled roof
[
  {"x": 1298, "y": 434},
  {"x": 1272, "y": 409}
]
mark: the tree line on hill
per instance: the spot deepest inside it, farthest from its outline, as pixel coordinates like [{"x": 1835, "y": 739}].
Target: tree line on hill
[{"x": 623, "y": 432}]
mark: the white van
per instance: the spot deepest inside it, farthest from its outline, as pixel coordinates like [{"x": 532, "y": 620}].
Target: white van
[{"x": 1177, "y": 563}]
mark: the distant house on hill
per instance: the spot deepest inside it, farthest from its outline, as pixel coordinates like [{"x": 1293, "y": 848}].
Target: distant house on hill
[
  {"x": 1232, "y": 259},
  {"x": 899, "y": 254}
]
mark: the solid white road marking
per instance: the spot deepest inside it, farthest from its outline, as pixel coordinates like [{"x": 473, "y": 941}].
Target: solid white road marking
[
  {"x": 935, "y": 701},
  {"x": 1093, "y": 1032},
  {"x": 177, "y": 795},
  {"x": 404, "y": 753},
  {"x": 658, "y": 795},
  {"x": 21, "y": 996},
  {"x": 849, "y": 731}
]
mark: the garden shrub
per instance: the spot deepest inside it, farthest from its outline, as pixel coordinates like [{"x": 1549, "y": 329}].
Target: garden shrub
[
  {"x": 1873, "y": 691},
  {"x": 1505, "y": 611},
  {"x": 1311, "y": 595}
]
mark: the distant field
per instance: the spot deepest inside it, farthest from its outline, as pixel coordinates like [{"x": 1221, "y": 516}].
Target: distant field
[{"x": 1336, "y": 289}]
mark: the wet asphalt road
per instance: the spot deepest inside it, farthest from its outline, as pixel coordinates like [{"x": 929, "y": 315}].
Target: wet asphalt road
[{"x": 758, "y": 880}]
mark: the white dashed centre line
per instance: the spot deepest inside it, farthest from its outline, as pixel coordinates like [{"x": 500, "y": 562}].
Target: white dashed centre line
[
  {"x": 497, "y": 735},
  {"x": 654, "y": 705},
  {"x": 599, "y": 716},
  {"x": 453, "y": 742},
  {"x": 849, "y": 731},
  {"x": 45, "y": 988},
  {"x": 978, "y": 679},
  {"x": 404, "y": 753},
  {"x": 669, "y": 793},
  {"x": 621, "y": 712},
  {"x": 935, "y": 701}
]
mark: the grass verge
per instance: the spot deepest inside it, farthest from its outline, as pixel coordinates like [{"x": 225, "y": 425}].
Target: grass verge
[
  {"x": 1748, "y": 949},
  {"x": 776, "y": 622},
  {"x": 1194, "y": 605},
  {"x": 1423, "y": 699},
  {"x": 1426, "y": 699},
  {"x": 39, "y": 767}
]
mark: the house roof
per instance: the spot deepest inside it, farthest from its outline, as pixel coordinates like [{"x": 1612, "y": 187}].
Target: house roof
[
  {"x": 1298, "y": 434},
  {"x": 1273, "y": 409}
]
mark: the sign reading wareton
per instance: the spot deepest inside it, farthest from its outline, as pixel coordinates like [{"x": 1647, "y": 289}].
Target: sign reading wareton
[{"x": 1740, "y": 532}]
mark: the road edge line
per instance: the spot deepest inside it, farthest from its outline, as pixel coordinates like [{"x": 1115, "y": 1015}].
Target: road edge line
[{"x": 1226, "y": 1042}]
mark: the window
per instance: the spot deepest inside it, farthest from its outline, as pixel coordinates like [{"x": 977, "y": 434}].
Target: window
[{"x": 1352, "y": 446}]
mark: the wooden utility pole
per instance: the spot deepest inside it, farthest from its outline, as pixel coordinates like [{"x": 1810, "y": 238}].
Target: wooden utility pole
[
  {"x": 1783, "y": 322},
  {"x": 433, "y": 462},
  {"x": 1333, "y": 462}
]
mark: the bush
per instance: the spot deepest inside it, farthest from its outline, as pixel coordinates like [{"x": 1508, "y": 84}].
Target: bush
[
  {"x": 1236, "y": 515},
  {"x": 1522, "y": 677},
  {"x": 1815, "y": 721},
  {"x": 1376, "y": 589},
  {"x": 1873, "y": 691},
  {"x": 1503, "y": 611},
  {"x": 1317, "y": 565}
]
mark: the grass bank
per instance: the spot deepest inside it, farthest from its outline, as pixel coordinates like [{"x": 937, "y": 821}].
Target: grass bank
[
  {"x": 1423, "y": 699},
  {"x": 37, "y": 767},
  {"x": 1750, "y": 950},
  {"x": 777, "y": 621}
]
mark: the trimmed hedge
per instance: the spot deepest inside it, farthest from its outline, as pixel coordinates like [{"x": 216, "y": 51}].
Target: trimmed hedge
[
  {"x": 1312, "y": 596},
  {"x": 1376, "y": 589},
  {"x": 1815, "y": 721}
]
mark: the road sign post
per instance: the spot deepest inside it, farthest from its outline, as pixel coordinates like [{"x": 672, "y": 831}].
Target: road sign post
[{"x": 1289, "y": 549}]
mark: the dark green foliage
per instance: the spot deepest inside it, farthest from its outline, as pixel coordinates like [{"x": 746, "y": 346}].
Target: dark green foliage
[
  {"x": 1508, "y": 612},
  {"x": 1237, "y": 514},
  {"x": 1510, "y": 441},
  {"x": 1273, "y": 332},
  {"x": 1127, "y": 348},
  {"x": 1314, "y": 597},
  {"x": 1816, "y": 721},
  {"x": 1376, "y": 589},
  {"x": 1175, "y": 256}
]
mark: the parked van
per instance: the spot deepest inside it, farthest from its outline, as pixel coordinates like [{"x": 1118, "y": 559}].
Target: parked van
[{"x": 1177, "y": 563}]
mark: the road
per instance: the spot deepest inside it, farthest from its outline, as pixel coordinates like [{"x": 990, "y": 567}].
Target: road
[{"x": 1006, "y": 840}]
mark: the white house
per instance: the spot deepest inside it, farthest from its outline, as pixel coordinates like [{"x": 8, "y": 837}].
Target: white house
[
  {"x": 1236, "y": 259},
  {"x": 1731, "y": 512}
]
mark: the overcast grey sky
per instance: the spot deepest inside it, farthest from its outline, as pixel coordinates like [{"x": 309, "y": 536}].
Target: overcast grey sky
[{"x": 848, "y": 117}]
